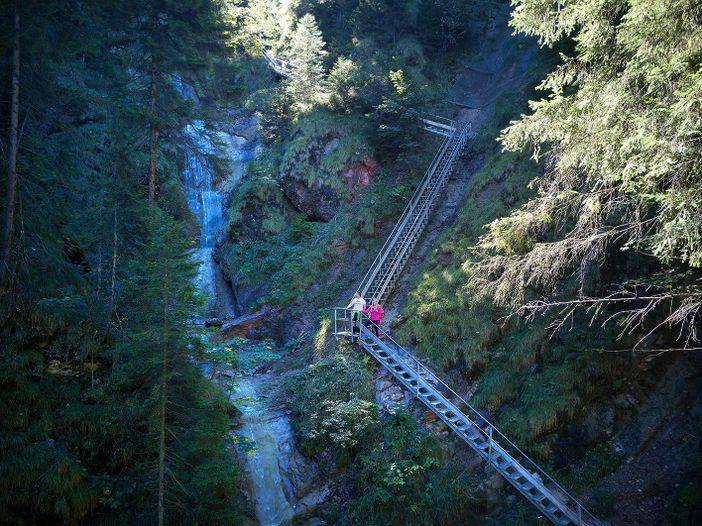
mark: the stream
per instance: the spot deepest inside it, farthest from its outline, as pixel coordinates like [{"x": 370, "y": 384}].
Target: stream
[
  {"x": 267, "y": 431},
  {"x": 264, "y": 431}
]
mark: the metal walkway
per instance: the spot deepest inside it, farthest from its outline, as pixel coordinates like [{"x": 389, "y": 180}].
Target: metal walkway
[
  {"x": 281, "y": 67},
  {"x": 465, "y": 421},
  {"x": 386, "y": 269}
]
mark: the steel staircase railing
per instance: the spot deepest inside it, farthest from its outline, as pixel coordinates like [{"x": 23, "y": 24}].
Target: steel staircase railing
[
  {"x": 495, "y": 448},
  {"x": 390, "y": 261},
  {"x": 281, "y": 67}
]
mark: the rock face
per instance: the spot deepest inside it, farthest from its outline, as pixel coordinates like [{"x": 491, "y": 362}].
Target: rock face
[
  {"x": 317, "y": 201},
  {"x": 360, "y": 174},
  {"x": 257, "y": 326},
  {"x": 389, "y": 394},
  {"x": 319, "y": 198},
  {"x": 300, "y": 477}
]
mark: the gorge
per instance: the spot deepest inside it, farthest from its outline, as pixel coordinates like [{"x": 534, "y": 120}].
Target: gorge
[{"x": 195, "y": 191}]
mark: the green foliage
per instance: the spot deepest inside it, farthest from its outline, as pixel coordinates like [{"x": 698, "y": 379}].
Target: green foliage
[
  {"x": 338, "y": 387},
  {"x": 322, "y": 145},
  {"x": 343, "y": 423},
  {"x": 101, "y": 286},
  {"x": 618, "y": 120},
  {"x": 598, "y": 462},
  {"x": 444, "y": 320},
  {"x": 307, "y": 52},
  {"x": 407, "y": 481}
]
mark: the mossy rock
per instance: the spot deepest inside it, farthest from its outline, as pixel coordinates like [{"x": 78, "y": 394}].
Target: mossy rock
[{"x": 326, "y": 163}]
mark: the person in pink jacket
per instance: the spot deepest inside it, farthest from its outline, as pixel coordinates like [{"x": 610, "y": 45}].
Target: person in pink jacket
[{"x": 375, "y": 312}]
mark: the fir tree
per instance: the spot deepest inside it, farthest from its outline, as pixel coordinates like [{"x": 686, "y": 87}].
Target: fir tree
[
  {"x": 621, "y": 127},
  {"x": 307, "y": 53}
]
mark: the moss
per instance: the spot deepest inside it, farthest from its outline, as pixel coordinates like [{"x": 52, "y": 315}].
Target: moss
[{"x": 322, "y": 145}]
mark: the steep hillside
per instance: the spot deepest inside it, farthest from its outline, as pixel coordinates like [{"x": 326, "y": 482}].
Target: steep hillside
[
  {"x": 192, "y": 187},
  {"x": 584, "y": 410}
]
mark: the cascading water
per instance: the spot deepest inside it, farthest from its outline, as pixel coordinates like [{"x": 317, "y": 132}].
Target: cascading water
[
  {"x": 261, "y": 426},
  {"x": 205, "y": 202}
]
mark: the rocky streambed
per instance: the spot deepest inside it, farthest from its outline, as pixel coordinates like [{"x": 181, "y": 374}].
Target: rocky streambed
[{"x": 281, "y": 484}]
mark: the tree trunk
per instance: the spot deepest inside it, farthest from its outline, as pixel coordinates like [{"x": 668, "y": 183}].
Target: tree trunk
[
  {"x": 12, "y": 158},
  {"x": 164, "y": 378},
  {"x": 154, "y": 137},
  {"x": 111, "y": 305}
]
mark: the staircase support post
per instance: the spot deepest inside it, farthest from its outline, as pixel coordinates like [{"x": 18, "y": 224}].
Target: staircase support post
[{"x": 490, "y": 447}]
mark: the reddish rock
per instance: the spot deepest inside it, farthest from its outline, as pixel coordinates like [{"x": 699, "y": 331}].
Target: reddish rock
[
  {"x": 257, "y": 326},
  {"x": 319, "y": 199},
  {"x": 359, "y": 175}
]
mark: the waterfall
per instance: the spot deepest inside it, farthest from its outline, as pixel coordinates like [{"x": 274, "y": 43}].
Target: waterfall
[
  {"x": 205, "y": 202},
  {"x": 266, "y": 429}
]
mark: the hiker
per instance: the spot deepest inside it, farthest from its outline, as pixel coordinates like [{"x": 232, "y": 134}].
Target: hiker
[
  {"x": 357, "y": 305},
  {"x": 375, "y": 312}
]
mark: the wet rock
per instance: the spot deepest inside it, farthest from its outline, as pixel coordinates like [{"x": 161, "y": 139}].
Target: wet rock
[
  {"x": 299, "y": 474},
  {"x": 312, "y": 500},
  {"x": 246, "y": 129},
  {"x": 213, "y": 322}
]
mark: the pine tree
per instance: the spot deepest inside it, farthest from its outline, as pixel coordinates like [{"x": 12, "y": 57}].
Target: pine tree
[
  {"x": 85, "y": 349},
  {"x": 307, "y": 53},
  {"x": 12, "y": 156}
]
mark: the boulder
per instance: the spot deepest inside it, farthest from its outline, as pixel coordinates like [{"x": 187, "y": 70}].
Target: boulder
[
  {"x": 312, "y": 182},
  {"x": 247, "y": 129},
  {"x": 317, "y": 201},
  {"x": 260, "y": 325},
  {"x": 312, "y": 500}
]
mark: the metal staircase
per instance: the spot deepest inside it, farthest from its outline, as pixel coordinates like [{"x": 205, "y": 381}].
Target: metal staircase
[
  {"x": 474, "y": 429},
  {"x": 386, "y": 269},
  {"x": 495, "y": 448}
]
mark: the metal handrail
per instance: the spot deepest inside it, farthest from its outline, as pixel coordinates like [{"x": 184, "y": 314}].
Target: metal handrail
[
  {"x": 483, "y": 420},
  {"x": 419, "y": 216},
  {"x": 404, "y": 218},
  {"x": 390, "y": 241},
  {"x": 438, "y": 118}
]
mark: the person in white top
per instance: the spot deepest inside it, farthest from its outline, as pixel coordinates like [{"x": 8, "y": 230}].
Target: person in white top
[{"x": 357, "y": 305}]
